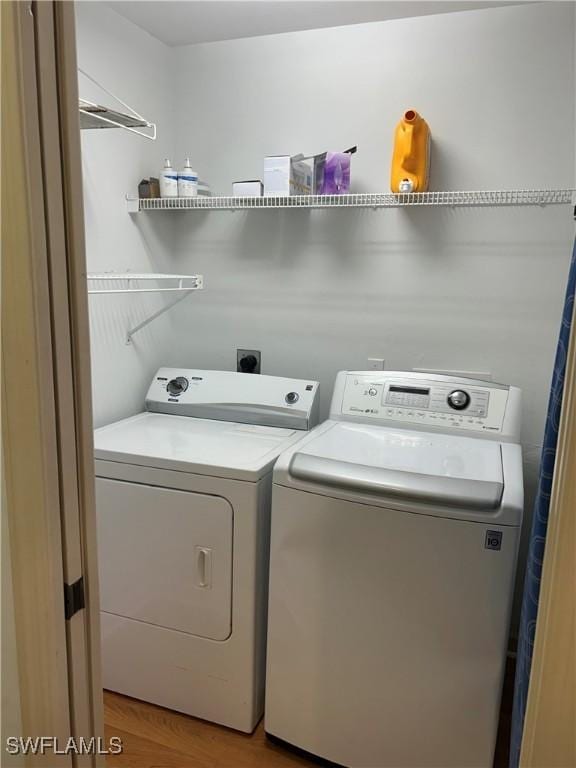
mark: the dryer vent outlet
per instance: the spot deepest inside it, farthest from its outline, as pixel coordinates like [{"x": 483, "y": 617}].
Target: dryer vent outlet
[{"x": 248, "y": 360}]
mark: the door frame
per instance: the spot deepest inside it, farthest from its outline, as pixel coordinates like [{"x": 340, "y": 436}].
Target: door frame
[{"x": 46, "y": 391}]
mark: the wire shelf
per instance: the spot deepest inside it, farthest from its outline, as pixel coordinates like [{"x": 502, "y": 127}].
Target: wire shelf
[
  {"x": 485, "y": 198},
  {"x": 96, "y": 116},
  {"x": 131, "y": 282}
]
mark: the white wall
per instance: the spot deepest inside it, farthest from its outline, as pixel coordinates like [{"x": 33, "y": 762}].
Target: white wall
[
  {"x": 138, "y": 69},
  {"x": 319, "y": 291}
]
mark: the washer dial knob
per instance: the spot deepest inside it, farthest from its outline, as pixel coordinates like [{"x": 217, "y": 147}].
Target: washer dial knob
[
  {"x": 176, "y": 386},
  {"x": 458, "y": 399},
  {"x": 292, "y": 397}
]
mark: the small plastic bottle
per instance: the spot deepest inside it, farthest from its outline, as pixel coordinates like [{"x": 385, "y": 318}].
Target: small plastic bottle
[
  {"x": 187, "y": 181},
  {"x": 168, "y": 181}
]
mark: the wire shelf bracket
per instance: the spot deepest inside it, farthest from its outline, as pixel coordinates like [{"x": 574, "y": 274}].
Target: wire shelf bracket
[
  {"x": 375, "y": 200},
  {"x": 130, "y": 334},
  {"x": 130, "y": 282}
]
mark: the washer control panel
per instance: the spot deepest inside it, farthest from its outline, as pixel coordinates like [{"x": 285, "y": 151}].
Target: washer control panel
[
  {"x": 425, "y": 400},
  {"x": 438, "y": 397}
]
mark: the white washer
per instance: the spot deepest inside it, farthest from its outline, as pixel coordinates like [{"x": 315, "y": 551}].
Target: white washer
[
  {"x": 183, "y": 505},
  {"x": 395, "y": 529}
]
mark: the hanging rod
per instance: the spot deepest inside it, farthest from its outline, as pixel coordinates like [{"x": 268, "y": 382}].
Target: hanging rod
[
  {"x": 129, "y": 282},
  {"x": 483, "y": 198},
  {"x": 94, "y": 115}
]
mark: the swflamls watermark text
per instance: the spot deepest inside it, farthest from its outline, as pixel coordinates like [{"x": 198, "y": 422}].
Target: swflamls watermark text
[{"x": 43, "y": 745}]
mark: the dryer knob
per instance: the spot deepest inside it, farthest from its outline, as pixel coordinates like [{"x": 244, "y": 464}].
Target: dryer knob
[
  {"x": 292, "y": 397},
  {"x": 176, "y": 386},
  {"x": 458, "y": 399}
]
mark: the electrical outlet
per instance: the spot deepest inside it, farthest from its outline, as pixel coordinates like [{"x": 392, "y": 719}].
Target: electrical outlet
[
  {"x": 248, "y": 360},
  {"x": 375, "y": 364}
]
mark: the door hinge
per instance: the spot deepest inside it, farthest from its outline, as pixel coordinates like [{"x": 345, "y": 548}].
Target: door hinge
[{"x": 73, "y": 598}]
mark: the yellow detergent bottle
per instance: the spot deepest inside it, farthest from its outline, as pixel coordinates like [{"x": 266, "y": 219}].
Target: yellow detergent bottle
[{"x": 411, "y": 157}]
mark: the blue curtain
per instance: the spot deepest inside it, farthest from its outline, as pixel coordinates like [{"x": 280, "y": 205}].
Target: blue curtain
[{"x": 539, "y": 525}]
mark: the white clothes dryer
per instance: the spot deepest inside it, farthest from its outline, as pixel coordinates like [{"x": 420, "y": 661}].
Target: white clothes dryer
[
  {"x": 183, "y": 505},
  {"x": 395, "y": 529}
]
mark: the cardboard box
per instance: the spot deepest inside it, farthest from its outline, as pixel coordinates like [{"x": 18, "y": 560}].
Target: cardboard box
[
  {"x": 250, "y": 188},
  {"x": 149, "y": 188},
  {"x": 285, "y": 176},
  {"x": 325, "y": 174},
  {"x": 332, "y": 173}
]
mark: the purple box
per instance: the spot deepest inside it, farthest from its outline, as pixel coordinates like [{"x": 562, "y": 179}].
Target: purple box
[{"x": 332, "y": 172}]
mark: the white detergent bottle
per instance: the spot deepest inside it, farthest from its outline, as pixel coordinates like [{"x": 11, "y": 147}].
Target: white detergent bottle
[
  {"x": 168, "y": 181},
  {"x": 187, "y": 181}
]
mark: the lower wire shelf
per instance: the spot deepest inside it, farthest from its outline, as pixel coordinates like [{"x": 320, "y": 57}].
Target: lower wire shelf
[{"x": 132, "y": 282}]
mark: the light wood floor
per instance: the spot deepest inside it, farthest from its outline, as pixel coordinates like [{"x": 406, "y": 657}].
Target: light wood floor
[{"x": 158, "y": 738}]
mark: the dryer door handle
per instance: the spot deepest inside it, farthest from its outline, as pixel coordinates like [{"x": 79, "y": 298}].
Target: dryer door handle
[
  {"x": 397, "y": 484},
  {"x": 203, "y": 567}
]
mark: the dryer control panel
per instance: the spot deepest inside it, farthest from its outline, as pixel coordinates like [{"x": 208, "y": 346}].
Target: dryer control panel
[
  {"x": 425, "y": 401},
  {"x": 229, "y": 396}
]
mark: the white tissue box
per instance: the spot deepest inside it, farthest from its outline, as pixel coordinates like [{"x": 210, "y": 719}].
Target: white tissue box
[{"x": 252, "y": 188}]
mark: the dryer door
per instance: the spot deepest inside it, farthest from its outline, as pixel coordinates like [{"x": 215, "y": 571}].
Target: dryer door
[{"x": 165, "y": 557}]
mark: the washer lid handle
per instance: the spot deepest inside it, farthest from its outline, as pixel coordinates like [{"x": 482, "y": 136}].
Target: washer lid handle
[{"x": 398, "y": 484}]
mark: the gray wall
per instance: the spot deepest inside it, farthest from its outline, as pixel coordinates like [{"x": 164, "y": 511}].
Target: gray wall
[
  {"x": 318, "y": 291},
  {"x": 139, "y": 70}
]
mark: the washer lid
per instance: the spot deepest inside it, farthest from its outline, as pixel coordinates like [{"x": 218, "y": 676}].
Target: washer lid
[
  {"x": 199, "y": 446},
  {"x": 435, "y": 469}
]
